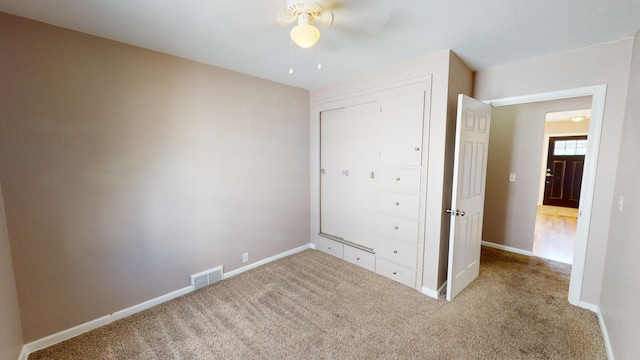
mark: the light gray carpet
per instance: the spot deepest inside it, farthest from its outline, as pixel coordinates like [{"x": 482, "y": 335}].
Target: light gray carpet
[{"x": 313, "y": 306}]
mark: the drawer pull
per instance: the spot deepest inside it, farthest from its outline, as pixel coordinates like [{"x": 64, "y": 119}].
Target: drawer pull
[
  {"x": 395, "y": 251},
  {"x": 417, "y": 149},
  {"x": 397, "y": 203},
  {"x": 394, "y": 273},
  {"x": 395, "y": 227},
  {"x": 397, "y": 179},
  {"x": 358, "y": 259},
  {"x": 329, "y": 247}
]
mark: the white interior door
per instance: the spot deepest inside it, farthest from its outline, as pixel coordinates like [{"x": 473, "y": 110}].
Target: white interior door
[{"x": 467, "y": 204}]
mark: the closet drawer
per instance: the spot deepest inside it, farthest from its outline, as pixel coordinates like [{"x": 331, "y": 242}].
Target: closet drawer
[
  {"x": 360, "y": 258},
  {"x": 398, "y": 228},
  {"x": 396, "y": 272},
  {"x": 398, "y": 179},
  {"x": 398, "y": 252},
  {"x": 399, "y": 204},
  {"x": 331, "y": 247}
]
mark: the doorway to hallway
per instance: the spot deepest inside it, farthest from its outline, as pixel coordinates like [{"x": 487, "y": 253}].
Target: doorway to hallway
[{"x": 561, "y": 168}]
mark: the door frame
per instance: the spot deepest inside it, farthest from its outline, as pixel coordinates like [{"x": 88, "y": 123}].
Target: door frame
[{"x": 598, "y": 94}]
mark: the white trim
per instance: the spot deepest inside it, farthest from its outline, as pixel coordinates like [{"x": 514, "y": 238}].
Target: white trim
[
  {"x": 598, "y": 94},
  {"x": 587, "y": 306},
  {"x": 507, "y": 248},
  {"x": 23, "y": 354},
  {"x": 605, "y": 334},
  {"x": 434, "y": 294},
  {"x": 94, "y": 324},
  {"x": 312, "y": 246},
  {"x": 264, "y": 261}
]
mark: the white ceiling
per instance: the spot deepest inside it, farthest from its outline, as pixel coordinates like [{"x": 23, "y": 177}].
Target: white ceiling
[{"x": 367, "y": 35}]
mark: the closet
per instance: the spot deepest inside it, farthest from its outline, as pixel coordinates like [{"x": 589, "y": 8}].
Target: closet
[
  {"x": 370, "y": 182},
  {"x": 382, "y": 148}
]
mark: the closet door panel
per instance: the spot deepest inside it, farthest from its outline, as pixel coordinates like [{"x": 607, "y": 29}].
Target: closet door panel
[
  {"x": 361, "y": 156},
  {"x": 401, "y": 124},
  {"x": 332, "y": 166}
]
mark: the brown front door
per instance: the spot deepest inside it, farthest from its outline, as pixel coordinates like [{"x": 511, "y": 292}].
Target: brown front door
[{"x": 564, "y": 171}]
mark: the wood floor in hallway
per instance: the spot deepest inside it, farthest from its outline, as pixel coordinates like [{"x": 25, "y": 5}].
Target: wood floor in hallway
[{"x": 555, "y": 233}]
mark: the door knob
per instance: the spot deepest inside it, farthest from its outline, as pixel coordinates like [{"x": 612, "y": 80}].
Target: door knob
[
  {"x": 456, "y": 212},
  {"x": 548, "y": 175}
]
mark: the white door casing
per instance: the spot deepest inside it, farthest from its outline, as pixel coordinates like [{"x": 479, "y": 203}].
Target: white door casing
[{"x": 467, "y": 204}]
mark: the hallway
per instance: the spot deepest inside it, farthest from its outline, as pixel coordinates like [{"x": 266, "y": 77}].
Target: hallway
[{"x": 555, "y": 233}]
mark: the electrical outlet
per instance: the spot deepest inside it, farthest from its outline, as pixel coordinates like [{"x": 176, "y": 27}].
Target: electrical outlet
[
  {"x": 245, "y": 257},
  {"x": 512, "y": 177}
]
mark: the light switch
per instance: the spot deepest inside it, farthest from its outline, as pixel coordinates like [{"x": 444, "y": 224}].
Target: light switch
[
  {"x": 620, "y": 203},
  {"x": 512, "y": 177}
]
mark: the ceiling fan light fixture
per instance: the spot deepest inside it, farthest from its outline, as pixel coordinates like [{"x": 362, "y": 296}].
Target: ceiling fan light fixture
[{"x": 304, "y": 34}]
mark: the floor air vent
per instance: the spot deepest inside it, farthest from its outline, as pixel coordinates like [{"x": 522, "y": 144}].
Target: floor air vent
[{"x": 207, "y": 277}]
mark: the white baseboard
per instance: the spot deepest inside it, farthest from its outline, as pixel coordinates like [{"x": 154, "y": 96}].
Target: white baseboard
[
  {"x": 93, "y": 324},
  {"x": 605, "y": 334},
  {"x": 507, "y": 248},
  {"x": 23, "y": 354},
  {"x": 434, "y": 294},
  {"x": 265, "y": 261},
  {"x": 587, "y": 306}
]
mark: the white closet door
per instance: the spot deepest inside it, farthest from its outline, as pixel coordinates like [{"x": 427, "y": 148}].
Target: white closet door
[
  {"x": 361, "y": 156},
  {"x": 401, "y": 129},
  {"x": 332, "y": 165}
]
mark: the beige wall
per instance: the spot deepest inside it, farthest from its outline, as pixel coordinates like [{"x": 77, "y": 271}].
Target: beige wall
[
  {"x": 125, "y": 170},
  {"x": 620, "y": 300},
  {"x": 604, "y": 64},
  {"x": 10, "y": 331},
  {"x": 516, "y": 145}
]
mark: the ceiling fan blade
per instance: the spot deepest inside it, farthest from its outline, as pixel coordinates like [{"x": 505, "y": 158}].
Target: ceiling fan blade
[
  {"x": 368, "y": 16},
  {"x": 285, "y": 18},
  {"x": 325, "y": 18}
]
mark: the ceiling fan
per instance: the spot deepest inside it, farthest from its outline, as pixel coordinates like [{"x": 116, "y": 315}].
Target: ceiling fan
[
  {"x": 305, "y": 13},
  {"x": 351, "y": 18}
]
